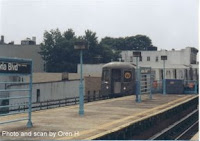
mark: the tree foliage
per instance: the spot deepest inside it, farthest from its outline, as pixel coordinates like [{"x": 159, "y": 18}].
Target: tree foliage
[
  {"x": 138, "y": 42},
  {"x": 57, "y": 50}
]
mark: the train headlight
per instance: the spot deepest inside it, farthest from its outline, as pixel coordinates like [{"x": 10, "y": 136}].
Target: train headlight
[
  {"x": 124, "y": 88},
  {"x": 107, "y": 87}
]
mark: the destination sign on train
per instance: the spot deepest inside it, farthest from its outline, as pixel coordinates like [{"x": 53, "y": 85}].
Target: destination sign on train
[{"x": 15, "y": 67}]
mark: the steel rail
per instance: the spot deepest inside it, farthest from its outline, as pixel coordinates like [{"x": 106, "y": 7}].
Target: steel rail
[{"x": 163, "y": 132}]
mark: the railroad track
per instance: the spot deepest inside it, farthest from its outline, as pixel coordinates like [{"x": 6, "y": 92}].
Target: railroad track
[{"x": 183, "y": 129}]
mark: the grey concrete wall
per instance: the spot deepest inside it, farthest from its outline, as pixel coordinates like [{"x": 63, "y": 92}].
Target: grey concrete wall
[
  {"x": 48, "y": 91},
  {"x": 26, "y": 52}
]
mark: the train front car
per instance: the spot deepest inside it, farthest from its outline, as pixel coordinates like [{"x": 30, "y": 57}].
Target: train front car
[{"x": 118, "y": 79}]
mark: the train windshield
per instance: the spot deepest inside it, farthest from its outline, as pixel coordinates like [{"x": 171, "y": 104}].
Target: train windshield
[
  {"x": 105, "y": 75},
  {"x": 116, "y": 75}
]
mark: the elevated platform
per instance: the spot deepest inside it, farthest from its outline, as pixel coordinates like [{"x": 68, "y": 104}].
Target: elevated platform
[{"x": 101, "y": 117}]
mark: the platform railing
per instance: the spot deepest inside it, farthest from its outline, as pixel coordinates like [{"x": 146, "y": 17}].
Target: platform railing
[
  {"x": 22, "y": 107},
  {"x": 15, "y": 67}
]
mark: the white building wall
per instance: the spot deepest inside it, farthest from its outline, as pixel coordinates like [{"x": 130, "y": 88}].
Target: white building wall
[
  {"x": 91, "y": 69},
  {"x": 182, "y": 56}
]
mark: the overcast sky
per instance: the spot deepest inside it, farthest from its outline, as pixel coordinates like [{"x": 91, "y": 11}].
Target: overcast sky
[{"x": 168, "y": 23}]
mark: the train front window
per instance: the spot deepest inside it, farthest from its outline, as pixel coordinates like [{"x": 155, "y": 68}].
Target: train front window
[
  {"x": 116, "y": 75},
  {"x": 105, "y": 76}
]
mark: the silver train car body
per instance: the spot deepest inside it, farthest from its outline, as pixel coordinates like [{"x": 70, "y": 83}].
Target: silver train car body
[{"x": 118, "y": 79}]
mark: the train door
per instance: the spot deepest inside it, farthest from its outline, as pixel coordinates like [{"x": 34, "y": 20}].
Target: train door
[{"x": 116, "y": 81}]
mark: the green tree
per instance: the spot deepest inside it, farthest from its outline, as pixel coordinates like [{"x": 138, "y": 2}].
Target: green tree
[
  {"x": 138, "y": 42},
  {"x": 98, "y": 53},
  {"x": 141, "y": 42},
  {"x": 57, "y": 50}
]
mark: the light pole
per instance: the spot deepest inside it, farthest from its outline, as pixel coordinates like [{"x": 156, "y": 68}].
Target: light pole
[
  {"x": 81, "y": 45},
  {"x": 164, "y": 85},
  {"x": 137, "y": 55}
]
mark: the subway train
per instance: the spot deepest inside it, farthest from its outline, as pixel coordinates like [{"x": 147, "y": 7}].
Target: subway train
[{"x": 118, "y": 79}]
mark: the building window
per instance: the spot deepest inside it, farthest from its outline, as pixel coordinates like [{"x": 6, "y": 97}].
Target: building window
[
  {"x": 38, "y": 95},
  {"x": 181, "y": 74},
  {"x": 196, "y": 74},
  {"x": 186, "y": 74},
  {"x": 175, "y": 75},
  {"x": 140, "y": 58},
  {"x": 148, "y": 58},
  {"x": 94, "y": 92},
  {"x": 168, "y": 74},
  {"x": 156, "y": 58},
  {"x": 161, "y": 74}
]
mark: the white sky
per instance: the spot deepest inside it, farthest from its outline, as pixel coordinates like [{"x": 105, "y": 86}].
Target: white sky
[{"x": 169, "y": 23}]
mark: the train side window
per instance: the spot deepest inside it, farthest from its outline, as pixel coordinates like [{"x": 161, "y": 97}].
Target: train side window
[
  {"x": 105, "y": 75},
  {"x": 127, "y": 76}
]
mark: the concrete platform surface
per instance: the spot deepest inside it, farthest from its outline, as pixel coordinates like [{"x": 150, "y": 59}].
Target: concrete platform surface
[{"x": 100, "y": 118}]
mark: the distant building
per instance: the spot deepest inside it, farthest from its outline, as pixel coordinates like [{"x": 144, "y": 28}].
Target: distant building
[
  {"x": 180, "y": 64},
  {"x": 27, "y": 50},
  {"x": 2, "y": 40},
  {"x": 151, "y": 48},
  {"x": 185, "y": 56},
  {"x": 28, "y": 41}
]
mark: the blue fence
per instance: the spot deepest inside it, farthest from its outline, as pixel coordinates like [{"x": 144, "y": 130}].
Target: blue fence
[
  {"x": 157, "y": 86},
  {"x": 190, "y": 87},
  {"x": 11, "y": 68}
]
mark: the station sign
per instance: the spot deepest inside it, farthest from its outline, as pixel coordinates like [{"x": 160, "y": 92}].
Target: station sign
[
  {"x": 145, "y": 70},
  {"x": 12, "y": 67}
]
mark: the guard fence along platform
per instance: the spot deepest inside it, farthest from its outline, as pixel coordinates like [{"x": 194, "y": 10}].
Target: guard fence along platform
[{"x": 11, "y": 71}]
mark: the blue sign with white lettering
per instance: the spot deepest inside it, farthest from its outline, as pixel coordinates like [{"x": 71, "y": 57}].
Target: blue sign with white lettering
[{"x": 15, "y": 67}]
